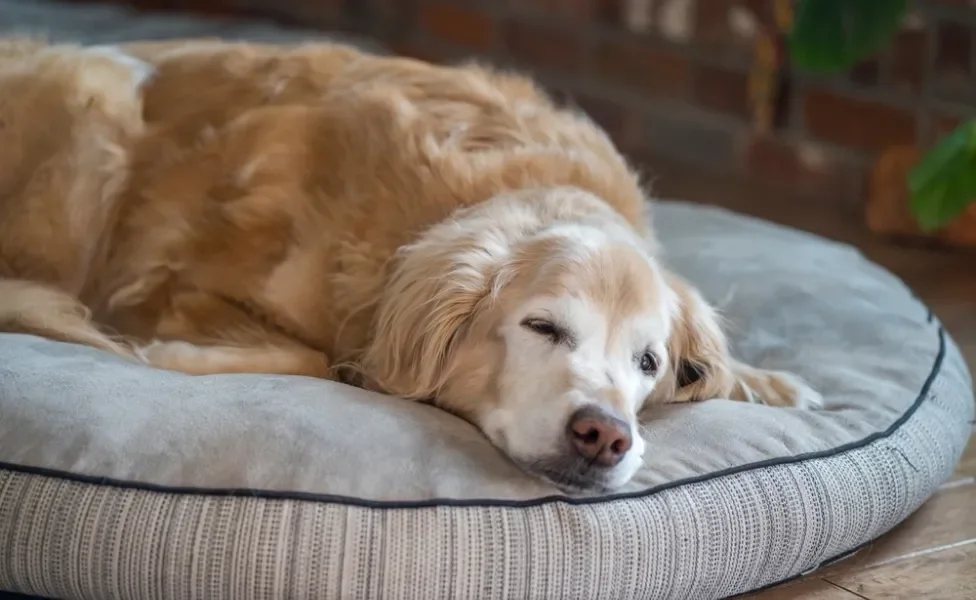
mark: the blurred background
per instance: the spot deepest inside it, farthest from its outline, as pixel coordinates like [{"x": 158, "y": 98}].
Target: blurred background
[{"x": 689, "y": 86}]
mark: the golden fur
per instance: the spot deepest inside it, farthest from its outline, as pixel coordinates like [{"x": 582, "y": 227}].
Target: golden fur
[{"x": 253, "y": 208}]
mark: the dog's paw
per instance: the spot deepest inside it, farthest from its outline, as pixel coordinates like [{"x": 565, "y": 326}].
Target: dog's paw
[{"x": 775, "y": 388}]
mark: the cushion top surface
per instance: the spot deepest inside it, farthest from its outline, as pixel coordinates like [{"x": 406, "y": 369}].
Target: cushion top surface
[{"x": 793, "y": 301}]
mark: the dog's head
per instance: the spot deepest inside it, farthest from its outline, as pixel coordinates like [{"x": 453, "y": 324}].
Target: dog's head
[{"x": 548, "y": 329}]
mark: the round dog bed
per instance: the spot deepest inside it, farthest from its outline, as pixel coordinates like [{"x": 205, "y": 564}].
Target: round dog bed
[{"x": 122, "y": 482}]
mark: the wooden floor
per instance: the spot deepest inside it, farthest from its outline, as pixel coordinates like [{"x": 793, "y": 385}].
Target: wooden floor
[{"x": 932, "y": 555}]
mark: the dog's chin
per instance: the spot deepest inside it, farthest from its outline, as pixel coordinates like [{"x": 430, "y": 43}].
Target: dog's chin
[{"x": 571, "y": 475}]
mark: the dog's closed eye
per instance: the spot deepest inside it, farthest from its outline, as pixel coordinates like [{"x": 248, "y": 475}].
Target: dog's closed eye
[
  {"x": 690, "y": 373},
  {"x": 547, "y": 329}
]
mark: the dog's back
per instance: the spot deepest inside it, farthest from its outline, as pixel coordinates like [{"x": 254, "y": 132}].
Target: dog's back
[
  {"x": 68, "y": 118},
  {"x": 270, "y": 189}
]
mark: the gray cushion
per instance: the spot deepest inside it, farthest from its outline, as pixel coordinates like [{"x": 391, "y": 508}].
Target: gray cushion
[{"x": 289, "y": 486}]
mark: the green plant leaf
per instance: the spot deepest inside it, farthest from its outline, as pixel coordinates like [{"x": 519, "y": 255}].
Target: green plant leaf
[
  {"x": 943, "y": 183},
  {"x": 831, "y": 36}
]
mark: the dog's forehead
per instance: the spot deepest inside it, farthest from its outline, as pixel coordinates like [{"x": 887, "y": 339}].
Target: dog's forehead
[
  {"x": 596, "y": 274},
  {"x": 621, "y": 279}
]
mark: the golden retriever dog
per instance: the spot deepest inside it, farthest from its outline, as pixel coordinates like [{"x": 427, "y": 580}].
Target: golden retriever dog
[{"x": 441, "y": 234}]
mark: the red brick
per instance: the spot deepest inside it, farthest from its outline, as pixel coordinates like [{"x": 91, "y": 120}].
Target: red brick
[
  {"x": 954, "y": 44},
  {"x": 723, "y": 90},
  {"x": 780, "y": 163},
  {"x": 161, "y": 5},
  {"x": 866, "y": 73},
  {"x": 856, "y": 123},
  {"x": 690, "y": 137},
  {"x": 458, "y": 25},
  {"x": 387, "y": 10},
  {"x": 210, "y": 7},
  {"x": 543, "y": 45},
  {"x": 953, "y": 69},
  {"x": 610, "y": 115},
  {"x": 610, "y": 12},
  {"x": 413, "y": 48},
  {"x": 649, "y": 69},
  {"x": 577, "y": 10},
  {"x": 712, "y": 23},
  {"x": 763, "y": 10},
  {"x": 908, "y": 60},
  {"x": 327, "y": 13},
  {"x": 944, "y": 123}
]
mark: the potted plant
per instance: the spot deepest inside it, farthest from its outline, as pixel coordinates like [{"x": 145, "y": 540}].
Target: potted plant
[{"x": 936, "y": 189}]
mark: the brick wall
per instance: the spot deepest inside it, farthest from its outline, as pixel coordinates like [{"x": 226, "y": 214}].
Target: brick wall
[{"x": 671, "y": 78}]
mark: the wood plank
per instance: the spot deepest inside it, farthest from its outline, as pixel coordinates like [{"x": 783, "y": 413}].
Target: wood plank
[
  {"x": 805, "y": 589},
  {"x": 958, "y": 316},
  {"x": 947, "y": 518},
  {"x": 949, "y": 574}
]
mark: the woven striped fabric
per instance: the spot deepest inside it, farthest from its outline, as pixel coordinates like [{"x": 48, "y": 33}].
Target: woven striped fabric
[{"x": 722, "y": 535}]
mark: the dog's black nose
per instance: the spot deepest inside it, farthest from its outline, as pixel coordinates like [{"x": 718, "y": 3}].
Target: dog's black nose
[{"x": 598, "y": 435}]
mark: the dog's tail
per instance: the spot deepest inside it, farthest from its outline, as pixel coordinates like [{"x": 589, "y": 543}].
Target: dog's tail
[{"x": 46, "y": 311}]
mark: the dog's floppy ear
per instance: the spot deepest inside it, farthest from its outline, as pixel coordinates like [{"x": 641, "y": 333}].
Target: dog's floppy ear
[
  {"x": 700, "y": 364},
  {"x": 436, "y": 288}
]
